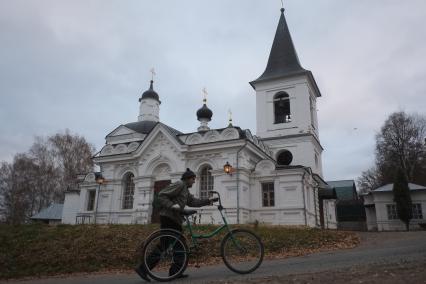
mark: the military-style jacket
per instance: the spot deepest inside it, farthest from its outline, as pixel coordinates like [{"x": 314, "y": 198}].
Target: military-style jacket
[{"x": 177, "y": 193}]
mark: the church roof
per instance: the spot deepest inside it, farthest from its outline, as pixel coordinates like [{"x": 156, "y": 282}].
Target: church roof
[
  {"x": 146, "y": 126},
  {"x": 283, "y": 59},
  {"x": 53, "y": 212}
]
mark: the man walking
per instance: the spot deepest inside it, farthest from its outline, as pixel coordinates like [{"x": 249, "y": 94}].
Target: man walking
[{"x": 171, "y": 201}]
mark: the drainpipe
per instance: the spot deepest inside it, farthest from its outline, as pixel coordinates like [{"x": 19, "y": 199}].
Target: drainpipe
[
  {"x": 238, "y": 183},
  {"x": 304, "y": 198},
  {"x": 97, "y": 202}
]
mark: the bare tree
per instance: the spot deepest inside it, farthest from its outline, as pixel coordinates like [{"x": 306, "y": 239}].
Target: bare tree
[
  {"x": 72, "y": 155},
  {"x": 37, "y": 178},
  {"x": 399, "y": 145}
]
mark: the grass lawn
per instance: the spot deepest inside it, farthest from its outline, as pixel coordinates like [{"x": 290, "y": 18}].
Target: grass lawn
[{"x": 41, "y": 250}]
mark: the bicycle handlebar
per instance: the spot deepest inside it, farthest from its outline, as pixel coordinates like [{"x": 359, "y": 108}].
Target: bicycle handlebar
[{"x": 220, "y": 207}]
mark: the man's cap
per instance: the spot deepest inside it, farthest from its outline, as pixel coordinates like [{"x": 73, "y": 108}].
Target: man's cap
[{"x": 188, "y": 174}]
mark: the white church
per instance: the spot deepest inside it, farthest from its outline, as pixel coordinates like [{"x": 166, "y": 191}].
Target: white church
[{"x": 273, "y": 177}]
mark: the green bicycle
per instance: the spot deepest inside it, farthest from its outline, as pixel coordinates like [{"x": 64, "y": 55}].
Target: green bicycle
[{"x": 165, "y": 252}]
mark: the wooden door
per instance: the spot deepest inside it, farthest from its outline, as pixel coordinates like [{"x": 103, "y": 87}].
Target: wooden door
[{"x": 158, "y": 185}]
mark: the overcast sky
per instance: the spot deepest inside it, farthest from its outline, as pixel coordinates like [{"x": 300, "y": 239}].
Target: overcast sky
[{"x": 82, "y": 65}]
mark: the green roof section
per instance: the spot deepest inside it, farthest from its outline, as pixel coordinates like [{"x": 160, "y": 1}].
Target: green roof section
[{"x": 345, "y": 189}]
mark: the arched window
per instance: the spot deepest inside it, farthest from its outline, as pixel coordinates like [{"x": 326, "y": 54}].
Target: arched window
[
  {"x": 206, "y": 182},
  {"x": 282, "y": 108},
  {"x": 129, "y": 191},
  {"x": 284, "y": 158},
  {"x": 312, "y": 107}
]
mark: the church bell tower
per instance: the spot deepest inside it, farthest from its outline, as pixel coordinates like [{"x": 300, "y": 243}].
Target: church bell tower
[{"x": 286, "y": 112}]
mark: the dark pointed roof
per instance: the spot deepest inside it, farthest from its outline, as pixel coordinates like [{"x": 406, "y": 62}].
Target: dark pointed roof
[
  {"x": 150, "y": 93},
  {"x": 283, "y": 58}
]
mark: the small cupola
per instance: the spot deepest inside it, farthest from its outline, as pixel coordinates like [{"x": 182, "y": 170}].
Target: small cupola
[
  {"x": 149, "y": 108},
  {"x": 204, "y": 114},
  {"x": 150, "y": 94}
]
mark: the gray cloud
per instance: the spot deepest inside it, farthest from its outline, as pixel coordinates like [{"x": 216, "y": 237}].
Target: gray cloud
[{"x": 82, "y": 65}]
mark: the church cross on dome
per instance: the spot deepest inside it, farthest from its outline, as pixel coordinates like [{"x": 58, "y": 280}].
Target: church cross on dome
[
  {"x": 152, "y": 73},
  {"x": 205, "y": 95}
]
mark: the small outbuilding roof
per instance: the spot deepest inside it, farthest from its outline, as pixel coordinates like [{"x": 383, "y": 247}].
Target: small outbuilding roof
[
  {"x": 389, "y": 187},
  {"x": 53, "y": 212}
]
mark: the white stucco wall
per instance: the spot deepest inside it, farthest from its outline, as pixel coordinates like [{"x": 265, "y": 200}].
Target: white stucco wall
[
  {"x": 381, "y": 199},
  {"x": 71, "y": 207},
  {"x": 330, "y": 218}
]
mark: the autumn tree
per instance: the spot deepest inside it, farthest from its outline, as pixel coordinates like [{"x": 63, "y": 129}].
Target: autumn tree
[{"x": 400, "y": 144}]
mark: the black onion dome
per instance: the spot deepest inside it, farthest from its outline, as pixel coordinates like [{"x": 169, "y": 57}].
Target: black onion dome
[
  {"x": 204, "y": 112},
  {"x": 150, "y": 94}
]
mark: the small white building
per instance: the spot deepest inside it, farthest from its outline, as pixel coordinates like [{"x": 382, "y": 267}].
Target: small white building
[
  {"x": 277, "y": 173},
  {"x": 381, "y": 211}
]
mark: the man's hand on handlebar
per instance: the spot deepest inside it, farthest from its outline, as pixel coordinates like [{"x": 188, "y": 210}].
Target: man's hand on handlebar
[
  {"x": 176, "y": 207},
  {"x": 213, "y": 199}
]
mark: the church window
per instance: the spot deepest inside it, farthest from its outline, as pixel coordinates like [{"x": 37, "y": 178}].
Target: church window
[
  {"x": 268, "y": 194},
  {"x": 284, "y": 158},
  {"x": 282, "y": 108},
  {"x": 206, "y": 182},
  {"x": 312, "y": 107},
  {"x": 129, "y": 191},
  {"x": 91, "y": 200}
]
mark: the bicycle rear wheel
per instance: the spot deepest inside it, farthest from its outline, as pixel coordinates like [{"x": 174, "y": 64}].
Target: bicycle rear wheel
[
  {"x": 242, "y": 251},
  {"x": 165, "y": 255}
]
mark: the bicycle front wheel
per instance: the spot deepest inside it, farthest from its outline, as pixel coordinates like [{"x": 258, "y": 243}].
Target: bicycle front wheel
[
  {"x": 242, "y": 251},
  {"x": 165, "y": 255}
]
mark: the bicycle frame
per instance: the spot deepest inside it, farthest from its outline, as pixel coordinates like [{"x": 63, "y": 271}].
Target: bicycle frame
[{"x": 225, "y": 226}]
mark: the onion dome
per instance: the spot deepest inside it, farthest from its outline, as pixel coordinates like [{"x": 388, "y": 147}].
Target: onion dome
[
  {"x": 150, "y": 94},
  {"x": 204, "y": 113}
]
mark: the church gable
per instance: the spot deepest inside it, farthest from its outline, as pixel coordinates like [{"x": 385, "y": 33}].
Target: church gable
[{"x": 160, "y": 147}]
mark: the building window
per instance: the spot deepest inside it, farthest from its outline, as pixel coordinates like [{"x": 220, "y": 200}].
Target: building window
[
  {"x": 282, "y": 108},
  {"x": 206, "y": 182},
  {"x": 129, "y": 191},
  {"x": 91, "y": 200},
  {"x": 392, "y": 213},
  {"x": 312, "y": 107},
  {"x": 417, "y": 211},
  {"x": 316, "y": 160},
  {"x": 284, "y": 158},
  {"x": 268, "y": 195}
]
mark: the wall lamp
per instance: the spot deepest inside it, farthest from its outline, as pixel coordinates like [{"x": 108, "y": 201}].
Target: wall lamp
[{"x": 227, "y": 168}]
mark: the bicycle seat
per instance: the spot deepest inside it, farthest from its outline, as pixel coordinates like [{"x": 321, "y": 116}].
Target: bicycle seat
[{"x": 187, "y": 212}]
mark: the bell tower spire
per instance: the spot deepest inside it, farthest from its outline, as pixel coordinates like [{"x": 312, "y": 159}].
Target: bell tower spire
[{"x": 286, "y": 113}]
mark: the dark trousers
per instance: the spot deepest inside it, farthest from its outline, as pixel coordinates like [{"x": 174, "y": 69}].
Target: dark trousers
[{"x": 178, "y": 258}]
